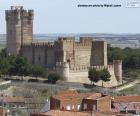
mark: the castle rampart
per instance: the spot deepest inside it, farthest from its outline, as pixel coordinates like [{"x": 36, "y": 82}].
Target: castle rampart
[
  {"x": 19, "y": 28},
  {"x": 118, "y": 70},
  {"x": 70, "y": 57}
]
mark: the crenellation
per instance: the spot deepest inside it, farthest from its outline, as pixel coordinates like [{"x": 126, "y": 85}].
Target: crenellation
[
  {"x": 66, "y": 39},
  {"x": 85, "y": 46},
  {"x": 109, "y": 67},
  {"x": 66, "y": 56},
  {"x": 40, "y": 44},
  {"x": 79, "y": 68}
]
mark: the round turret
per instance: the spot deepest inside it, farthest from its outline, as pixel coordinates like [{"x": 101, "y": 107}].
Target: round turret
[
  {"x": 118, "y": 70},
  {"x": 63, "y": 69}
]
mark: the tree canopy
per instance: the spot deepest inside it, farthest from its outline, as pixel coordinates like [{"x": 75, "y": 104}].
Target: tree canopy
[
  {"x": 11, "y": 65},
  {"x": 97, "y": 75},
  {"x": 129, "y": 56},
  {"x": 53, "y": 77}
]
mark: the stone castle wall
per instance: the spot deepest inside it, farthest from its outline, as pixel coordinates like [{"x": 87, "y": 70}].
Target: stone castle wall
[
  {"x": 99, "y": 53},
  {"x": 19, "y": 28},
  {"x": 75, "y": 57},
  {"x": 81, "y": 55},
  {"x": 80, "y": 74}
]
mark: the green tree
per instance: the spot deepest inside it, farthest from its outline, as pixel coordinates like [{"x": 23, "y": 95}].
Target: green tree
[
  {"x": 19, "y": 67},
  {"x": 93, "y": 76},
  {"x": 104, "y": 75},
  {"x": 38, "y": 71},
  {"x": 11, "y": 65},
  {"x": 53, "y": 77},
  {"x": 97, "y": 75},
  {"x": 129, "y": 56}
]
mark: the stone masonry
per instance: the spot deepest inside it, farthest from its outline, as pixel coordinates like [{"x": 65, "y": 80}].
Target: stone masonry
[{"x": 66, "y": 56}]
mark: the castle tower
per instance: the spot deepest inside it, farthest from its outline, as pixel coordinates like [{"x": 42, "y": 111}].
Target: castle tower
[
  {"x": 63, "y": 69},
  {"x": 19, "y": 24},
  {"x": 99, "y": 53},
  {"x": 118, "y": 70}
]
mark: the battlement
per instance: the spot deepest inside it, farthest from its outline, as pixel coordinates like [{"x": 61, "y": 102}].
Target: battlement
[
  {"x": 43, "y": 44},
  {"x": 79, "y": 44},
  {"x": 84, "y": 42},
  {"x": 109, "y": 67},
  {"x": 26, "y": 45},
  {"x": 86, "y": 39},
  {"x": 117, "y": 61},
  {"x": 19, "y": 12},
  {"x": 66, "y": 39},
  {"x": 79, "y": 68},
  {"x": 16, "y": 7},
  {"x": 99, "y": 42},
  {"x": 62, "y": 64}
]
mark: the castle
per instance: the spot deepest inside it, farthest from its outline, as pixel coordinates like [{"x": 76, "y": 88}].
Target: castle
[{"x": 66, "y": 56}]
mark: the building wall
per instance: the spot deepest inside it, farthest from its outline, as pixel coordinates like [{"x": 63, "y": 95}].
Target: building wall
[
  {"x": 27, "y": 52},
  {"x": 104, "y": 104},
  {"x": 112, "y": 82},
  {"x": 83, "y": 56},
  {"x": 99, "y": 53},
  {"x": 39, "y": 55},
  {"x": 44, "y": 54},
  {"x": 27, "y": 26},
  {"x": 66, "y": 104},
  {"x": 19, "y": 28},
  {"x": 51, "y": 58},
  {"x": 13, "y": 32},
  {"x": 82, "y": 53},
  {"x": 89, "y": 103},
  {"x": 80, "y": 74},
  {"x": 55, "y": 104}
]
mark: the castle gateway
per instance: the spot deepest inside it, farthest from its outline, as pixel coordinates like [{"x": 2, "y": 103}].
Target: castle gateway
[{"x": 65, "y": 56}]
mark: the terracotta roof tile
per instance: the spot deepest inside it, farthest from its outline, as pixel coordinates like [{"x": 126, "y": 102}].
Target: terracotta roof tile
[
  {"x": 12, "y": 99},
  {"x": 2, "y": 112},
  {"x": 61, "y": 113},
  {"x": 68, "y": 95},
  {"x": 126, "y": 98}
]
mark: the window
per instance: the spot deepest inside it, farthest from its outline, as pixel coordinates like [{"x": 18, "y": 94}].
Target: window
[
  {"x": 39, "y": 58},
  {"x": 85, "y": 106},
  {"x": 73, "y": 107},
  {"x": 68, "y": 107},
  {"x": 78, "y": 107},
  {"x": 21, "y": 106},
  {"x": 94, "y": 108},
  {"x": 5, "y": 104},
  {"x": 13, "y": 106}
]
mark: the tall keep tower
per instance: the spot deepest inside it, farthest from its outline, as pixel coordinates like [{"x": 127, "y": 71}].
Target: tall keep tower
[{"x": 19, "y": 28}]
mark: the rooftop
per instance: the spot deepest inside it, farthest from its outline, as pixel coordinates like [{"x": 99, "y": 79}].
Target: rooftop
[
  {"x": 61, "y": 113},
  {"x": 126, "y": 98},
  {"x": 68, "y": 95},
  {"x": 2, "y": 111},
  {"x": 12, "y": 99},
  {"x": 72, "y": 113}
]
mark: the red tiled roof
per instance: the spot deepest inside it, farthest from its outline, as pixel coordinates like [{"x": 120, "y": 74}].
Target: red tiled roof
[
  {"x": 126, "y": 98},
  {"x": 12, "y": 99},
  {"x": 123, "y": 107},
  {"x": 68, "y": 95},
  {"x": 94, "y": 96},
  {"x": 72, "y": 113},
  {"x": 61, "y": 113},
  {"x": 2, "y": 112}
]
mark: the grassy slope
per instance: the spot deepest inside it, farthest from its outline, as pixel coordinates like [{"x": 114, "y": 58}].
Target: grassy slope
[{"x": 131, "y": 74}]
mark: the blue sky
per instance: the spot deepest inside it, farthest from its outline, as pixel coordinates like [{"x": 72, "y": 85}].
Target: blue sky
[{"x": 63, "y": 16}]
